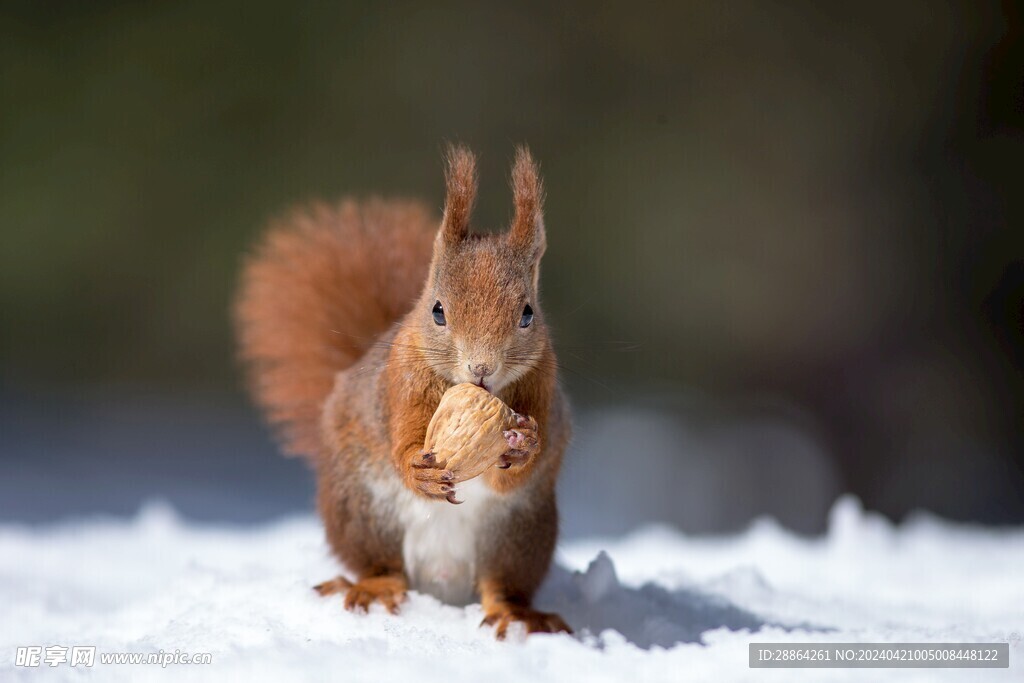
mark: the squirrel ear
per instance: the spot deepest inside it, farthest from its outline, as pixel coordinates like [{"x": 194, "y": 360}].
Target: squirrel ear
[
  {"x": 527, "y": 232},
  {"x": 460, "y": 181}
]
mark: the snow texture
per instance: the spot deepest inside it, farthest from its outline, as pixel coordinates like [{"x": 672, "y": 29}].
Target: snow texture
[{"x": 654, "y": 605}]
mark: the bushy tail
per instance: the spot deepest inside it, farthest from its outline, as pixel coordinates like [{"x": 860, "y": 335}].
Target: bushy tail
[{"x": 314, "y": 295}]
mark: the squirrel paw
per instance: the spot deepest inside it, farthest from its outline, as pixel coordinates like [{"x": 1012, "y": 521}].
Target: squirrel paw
[
  {"x": 431, "y": 480},
  {"x": 523, "y": 443},
  {"x": 389, "y": 591},
  {"x": 534, "y": 621}
]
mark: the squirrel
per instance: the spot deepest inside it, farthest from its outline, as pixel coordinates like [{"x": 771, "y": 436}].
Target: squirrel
[{"x": 352, "y": 322}]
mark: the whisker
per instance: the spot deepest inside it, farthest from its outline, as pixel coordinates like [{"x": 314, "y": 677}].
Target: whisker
[{"x": 381, "y": 343}]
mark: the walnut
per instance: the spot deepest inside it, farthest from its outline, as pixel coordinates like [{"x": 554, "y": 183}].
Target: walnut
[{"x": 467, "y": 433}]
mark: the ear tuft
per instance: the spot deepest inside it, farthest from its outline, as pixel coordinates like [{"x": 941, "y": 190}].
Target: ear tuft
[
  {"x": 460, "y": 181},
  {"x": 527, "y": 230}
]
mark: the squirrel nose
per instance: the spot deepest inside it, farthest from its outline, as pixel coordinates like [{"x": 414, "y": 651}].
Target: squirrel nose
[{"x": 481, "y": 370}]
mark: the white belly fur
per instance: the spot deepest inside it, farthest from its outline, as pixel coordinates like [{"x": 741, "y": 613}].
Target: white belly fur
[{"x": 439, "y": 547}]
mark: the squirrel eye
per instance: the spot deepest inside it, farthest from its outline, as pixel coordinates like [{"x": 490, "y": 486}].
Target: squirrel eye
[
  {"x": 527, "y": 317},
  {"x": 438, "y": 312}
]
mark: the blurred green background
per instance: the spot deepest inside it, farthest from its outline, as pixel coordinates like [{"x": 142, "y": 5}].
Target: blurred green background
[{"x": 803, "y": 212}]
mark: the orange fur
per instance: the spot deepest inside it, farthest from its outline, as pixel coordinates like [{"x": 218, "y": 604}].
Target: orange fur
[
  {"x": 315, "y": 294},
  {"x": 337, "y": 327}
]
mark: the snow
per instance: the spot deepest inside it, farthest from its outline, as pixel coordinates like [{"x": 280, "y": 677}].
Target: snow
[{"x": 654, "y": 605}]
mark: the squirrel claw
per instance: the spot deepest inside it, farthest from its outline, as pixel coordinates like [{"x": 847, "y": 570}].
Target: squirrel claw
[
  {"x": 427, "y": 459},
  {"x": 451, "y": 499},
  {"x": 520, "y": 440},
  {"x": 513, "y": 457},
  {"x": 432, "y": 482},
  {"x": 525, "y": 421}
]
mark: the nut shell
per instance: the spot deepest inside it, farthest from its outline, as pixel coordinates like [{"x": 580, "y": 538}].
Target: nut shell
[{"x": 466, "y": 432}]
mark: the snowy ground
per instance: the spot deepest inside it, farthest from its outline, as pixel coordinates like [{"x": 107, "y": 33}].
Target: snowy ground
[{"x": 652, "y": 606}]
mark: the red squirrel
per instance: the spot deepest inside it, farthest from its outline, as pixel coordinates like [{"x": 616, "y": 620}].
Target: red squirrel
[{"x": 352, "y": 322}]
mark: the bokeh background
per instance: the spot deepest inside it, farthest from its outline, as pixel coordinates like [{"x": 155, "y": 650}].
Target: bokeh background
[{"x": 785, "y": 240}]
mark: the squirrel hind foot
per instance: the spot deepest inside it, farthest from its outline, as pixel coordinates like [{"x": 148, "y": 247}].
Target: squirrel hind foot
[
  {"x": 338, "y": 584},
  {"x": 388, "y": 590},
  {"x": 534, "y": 621}
]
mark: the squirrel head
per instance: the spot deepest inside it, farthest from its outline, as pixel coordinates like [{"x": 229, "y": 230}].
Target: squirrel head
[{"x": 479, "y": 316}]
